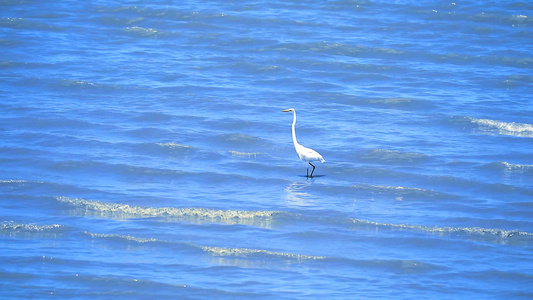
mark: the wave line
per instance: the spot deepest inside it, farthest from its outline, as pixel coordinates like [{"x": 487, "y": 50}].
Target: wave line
[
  {"x": 130, "y": 211},
  {"x": 222, "y": 251},
  {"x": 444, "y": 230},
  {"x": 505, "y": 128}
]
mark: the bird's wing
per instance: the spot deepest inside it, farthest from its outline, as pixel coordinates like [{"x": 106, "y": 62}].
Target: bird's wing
[{"x": 309, "y": 154}]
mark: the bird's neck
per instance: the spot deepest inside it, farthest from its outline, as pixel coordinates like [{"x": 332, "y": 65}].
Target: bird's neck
[{"x": 293, "y": 130}]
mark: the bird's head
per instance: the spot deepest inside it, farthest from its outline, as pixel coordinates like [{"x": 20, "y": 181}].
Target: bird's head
[{"x": 288, "y": 110}]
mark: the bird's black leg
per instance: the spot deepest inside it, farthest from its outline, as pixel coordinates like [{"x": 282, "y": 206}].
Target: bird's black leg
[{"x": 312, "y": 170}]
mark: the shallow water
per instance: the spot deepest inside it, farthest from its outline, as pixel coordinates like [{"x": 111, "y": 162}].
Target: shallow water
[{"x": 144, "y": 153}]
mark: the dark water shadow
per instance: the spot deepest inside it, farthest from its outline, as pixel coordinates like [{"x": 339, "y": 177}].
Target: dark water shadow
[{"x": 314, "y": 176}]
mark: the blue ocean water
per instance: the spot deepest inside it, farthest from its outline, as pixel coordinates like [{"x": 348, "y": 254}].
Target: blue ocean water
[{"x": 144, "y": 153}]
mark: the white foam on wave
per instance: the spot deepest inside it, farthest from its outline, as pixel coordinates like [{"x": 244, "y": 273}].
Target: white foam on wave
[
  {"x": 143, "y": 31},
  {"x": 504, "y": 128},
  {"x": 245, "y": 154},
  {"x": 124, "y": 237},
  {"x": 448, "y": 230},
  {"x": 510, "y": 166},
  {"x": 215, "y": 251},
  {"x": 23, "y": 227},
  {"x": 399, "y": 191},
  {"x": 389, "y": 188},
  {"x": 173, "y": 146},
  {"x": 10, "y": 181},
  {"x": 13, "y": 181},
  {"x": 244, "y": 252},
  {"x": 119, "y": 210}
]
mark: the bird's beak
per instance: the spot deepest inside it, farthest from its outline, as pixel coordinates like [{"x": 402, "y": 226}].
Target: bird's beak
[{"x": 285, "y": 110}]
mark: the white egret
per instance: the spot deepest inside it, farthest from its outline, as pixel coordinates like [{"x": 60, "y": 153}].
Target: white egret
[{"x": 306, "y": 154}]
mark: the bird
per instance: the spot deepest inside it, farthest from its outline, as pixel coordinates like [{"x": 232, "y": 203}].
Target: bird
[{"x": 306, "y": 154}]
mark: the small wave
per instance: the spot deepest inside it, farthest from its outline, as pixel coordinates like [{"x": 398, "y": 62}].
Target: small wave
[
  {"x": 389, "y": 188},
  {"x": 76, "y": 84},
  {"x": 143, "y": 31},
  {"x": 11, "y": 181},
  {"x": 17, "y": 182},
  {"x": 239, "y": 138},
  {"x": 477, "y": 231},
  {"x": 26, "y": 24},
  {"x": 244, "y": 252},
  {"x": 254, "y": 256},
  {"x": 509, "y": 167},
  {"x": 245, "y": 154},
  {"x": 174, "y": 146},
  {"x": 393, "y": 156},
  {"x": 243, "y": 142},
  {"x": 217, "y": 251},
  {"x": 155, "y": 117},
  {"x": 122, "y": 237},
  {"x": 516, "y": 166},
  {"x": 349, "y": 50},
  {"x": 398, "y": 103},
  {"x": 12, "y": 227},
  {"x": 504, "y": 128},
  {"x": 117, "y": 210},
  {"x": 170, "y": 149},
  {"x": 400, "y": 192}
]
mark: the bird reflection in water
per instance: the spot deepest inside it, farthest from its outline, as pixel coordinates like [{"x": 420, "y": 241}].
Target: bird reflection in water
[{"x": 296, "y": 195}]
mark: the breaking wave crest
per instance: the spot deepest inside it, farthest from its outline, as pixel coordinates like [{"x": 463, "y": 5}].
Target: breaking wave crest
[
  {"x": 174, "y": 146},
  {"x": 504, "y": 128},
  {"x": 244, "y": 257},
  {"x": 17, "y": 227},
  {"x": 244, "y": 252},
  {"x": 476, "y": 231},
  {"x": 215, "y": 251},
  {"x": 30, "y": 230},
  {"x": 515, "y": 167},
  {"x": 245, "y": 154},
  {"x": 13, "y": 181},
  {"x": 122, "y": 237},
  {"x": 261, "y": 219},
  {"x": 144, "y": 32},
  {"x": 401, "y": 192},
  {"x": 117, "y": 210}
]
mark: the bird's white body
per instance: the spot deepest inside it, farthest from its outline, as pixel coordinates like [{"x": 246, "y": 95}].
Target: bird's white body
[{"x": 306, "y": 154}]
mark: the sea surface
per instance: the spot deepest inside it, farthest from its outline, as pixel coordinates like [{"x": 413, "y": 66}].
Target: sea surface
[{"x": 144, "y": 154}]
